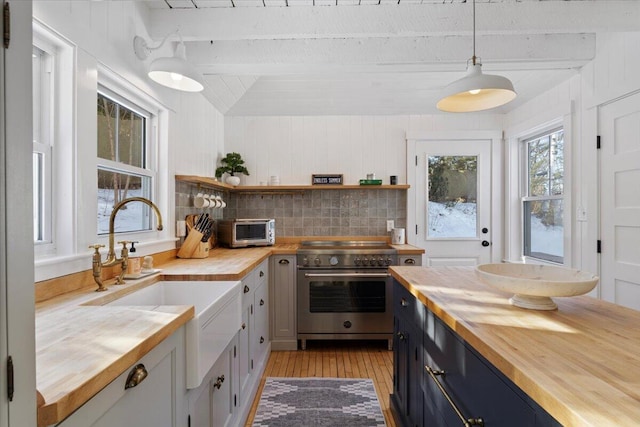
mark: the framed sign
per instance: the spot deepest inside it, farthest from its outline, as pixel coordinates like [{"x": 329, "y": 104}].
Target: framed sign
[{"x": 331, "y": 179}]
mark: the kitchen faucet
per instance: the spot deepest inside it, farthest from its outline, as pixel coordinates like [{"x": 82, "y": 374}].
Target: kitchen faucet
[{"x": 112, "y": 259}]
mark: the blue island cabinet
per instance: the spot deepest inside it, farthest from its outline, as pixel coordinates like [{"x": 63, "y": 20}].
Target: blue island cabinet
[{"x": 440, "y": 380}]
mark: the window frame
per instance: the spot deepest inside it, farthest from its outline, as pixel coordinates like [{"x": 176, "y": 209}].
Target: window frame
[
  {"x": 149, "y": 151},
  {"x": 43, "y": 141},
  {"x": 525, "y": 236}
]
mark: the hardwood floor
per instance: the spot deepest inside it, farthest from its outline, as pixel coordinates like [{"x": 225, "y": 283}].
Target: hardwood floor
[{"x": 341, "y": 359}]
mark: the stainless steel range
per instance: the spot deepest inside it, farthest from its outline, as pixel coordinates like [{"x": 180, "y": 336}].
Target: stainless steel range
[{"x": 345, "y": 290}]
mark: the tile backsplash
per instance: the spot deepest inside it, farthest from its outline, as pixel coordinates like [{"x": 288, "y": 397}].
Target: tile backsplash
[
  {"x": 324, "y": 212},
  {"x": 353, "y": 212}
]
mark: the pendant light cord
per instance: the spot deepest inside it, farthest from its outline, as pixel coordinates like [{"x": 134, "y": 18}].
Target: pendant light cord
[{"x": 473, "y": 58}]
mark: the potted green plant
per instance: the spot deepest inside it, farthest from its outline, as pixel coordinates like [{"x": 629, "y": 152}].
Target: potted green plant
[{"x": 232, "y": 164}]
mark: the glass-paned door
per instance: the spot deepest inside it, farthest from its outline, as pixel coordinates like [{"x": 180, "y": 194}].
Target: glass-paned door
[{"x": 453, "y": 201}]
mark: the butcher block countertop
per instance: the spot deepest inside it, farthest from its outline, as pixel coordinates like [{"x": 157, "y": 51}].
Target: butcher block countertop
[
  {"x": 581, "y": 363},
  {"x": 81, "y": 345}
]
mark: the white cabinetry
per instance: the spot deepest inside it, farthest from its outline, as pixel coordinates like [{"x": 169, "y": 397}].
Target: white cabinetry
[
  {"x": 226, "y": 394},
  {"x": 282, "y": 288},
  {"x": 158, "y": 400},
  {"x": 254, "y": 345}
]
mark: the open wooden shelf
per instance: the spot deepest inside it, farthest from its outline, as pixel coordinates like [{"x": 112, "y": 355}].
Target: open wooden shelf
[{"x": 217, "y": 185}]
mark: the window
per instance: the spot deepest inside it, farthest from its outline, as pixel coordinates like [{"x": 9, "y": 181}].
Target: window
[
  {"x": 42, "y": 145},
  {"x": 542, "y": 204},
  {"x": 123, "y": 163}
]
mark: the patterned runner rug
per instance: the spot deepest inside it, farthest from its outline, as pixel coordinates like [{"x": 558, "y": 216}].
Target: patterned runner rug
[{"x": 311, "y": 402}]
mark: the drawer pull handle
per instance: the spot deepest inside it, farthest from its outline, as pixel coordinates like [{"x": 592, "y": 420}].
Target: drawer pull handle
[
  {"x": 246, "y": 289},
  {"x": 466, "y": 422},
  {"x": 403, "y": 302},
  {"x": 261, "y": 273},
  {"x": 136, "y": 376},
  {"x": 261, "y": 302},
  {"x": 409, "y": 261},
  {"x": 284, "y": 262},
  {"x": 261, "y": 340},
  {"x": 219, "y": 382}
]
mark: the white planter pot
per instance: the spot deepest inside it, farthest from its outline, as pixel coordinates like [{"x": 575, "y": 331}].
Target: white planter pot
[{"x": 233, "y": 180}]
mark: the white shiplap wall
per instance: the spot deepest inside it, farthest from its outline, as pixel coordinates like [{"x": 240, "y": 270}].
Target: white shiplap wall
[{"x": 295, "y": 147}]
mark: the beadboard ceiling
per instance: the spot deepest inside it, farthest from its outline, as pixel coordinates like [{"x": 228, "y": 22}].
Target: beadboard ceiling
[{"x": 379, "y": 57}]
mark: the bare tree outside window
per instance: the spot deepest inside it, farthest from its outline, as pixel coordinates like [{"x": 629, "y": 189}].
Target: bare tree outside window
[{"x": 122, "y": 162}]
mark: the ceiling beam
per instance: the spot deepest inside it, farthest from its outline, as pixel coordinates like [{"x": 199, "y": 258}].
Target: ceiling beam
[
  {"x": 403, "y": 54},
  {"x": 269, "y": 23}
]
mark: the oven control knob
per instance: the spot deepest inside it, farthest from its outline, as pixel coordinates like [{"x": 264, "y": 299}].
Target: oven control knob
[
  {"x": 373, "y": 261},
  {"x": 305, "y": 261},
  {"x": 365, "y": 261},
  {"x": 333, "y": 260},
  {"x": 356, "y": 261},
  {"x": 347, "y": 324},
  {"x": 317, "y": 261},
  {"x": 388, "y": 261}
]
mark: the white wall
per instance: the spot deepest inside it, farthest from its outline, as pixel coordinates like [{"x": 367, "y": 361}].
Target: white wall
[
  {"x": 190, "y": 137},
  {"x": 295, "y": 147}
]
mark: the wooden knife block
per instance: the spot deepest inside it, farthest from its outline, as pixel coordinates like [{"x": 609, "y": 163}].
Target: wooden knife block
[{"x": 193, "y": 247}]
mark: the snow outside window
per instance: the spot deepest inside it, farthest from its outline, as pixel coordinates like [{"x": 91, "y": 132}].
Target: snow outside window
[
  {"x": 542, "y": 205},
  {"x": 123, "y": 163}
]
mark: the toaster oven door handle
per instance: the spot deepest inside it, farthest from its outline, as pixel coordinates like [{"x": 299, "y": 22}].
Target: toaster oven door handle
[{"x": 347, "y": 275}]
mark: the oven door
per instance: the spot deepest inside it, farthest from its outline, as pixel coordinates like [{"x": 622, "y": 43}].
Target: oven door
[{"x": 344, "y": 302}]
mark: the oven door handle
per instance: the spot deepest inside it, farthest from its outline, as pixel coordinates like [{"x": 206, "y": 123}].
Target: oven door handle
[{"x": 347, "y": 275}]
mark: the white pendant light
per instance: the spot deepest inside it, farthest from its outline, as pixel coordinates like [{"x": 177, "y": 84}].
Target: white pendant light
[
  {"x": 174, "y": 72},
  {"x": 476, "y": 91}
]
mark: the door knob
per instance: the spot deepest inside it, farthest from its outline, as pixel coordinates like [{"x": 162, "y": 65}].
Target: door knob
[{"x": 485, "y": 243}]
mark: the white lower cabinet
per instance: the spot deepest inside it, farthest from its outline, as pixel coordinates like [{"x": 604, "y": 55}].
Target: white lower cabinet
[
  {"x": 157, "y": 400},
  {"x": 214, "y": 402},
  {"x": 226, "y": 394}
]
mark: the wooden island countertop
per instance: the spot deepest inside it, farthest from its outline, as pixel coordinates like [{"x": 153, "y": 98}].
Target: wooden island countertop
[
  {"x": 581, "y": 363},
  {"x": 82, "y": 345}
]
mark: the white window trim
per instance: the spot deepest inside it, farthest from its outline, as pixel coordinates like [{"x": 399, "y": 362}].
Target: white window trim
[
  {"x": 80, "y": 228},
  {"x": 62, "y": 141},
  {"x": 515, "y": 191}
]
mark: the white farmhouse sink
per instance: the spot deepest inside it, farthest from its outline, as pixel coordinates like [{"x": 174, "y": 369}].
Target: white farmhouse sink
[
  {"x": 217, "y": 318},
  {"x": 533, "y": 285}
]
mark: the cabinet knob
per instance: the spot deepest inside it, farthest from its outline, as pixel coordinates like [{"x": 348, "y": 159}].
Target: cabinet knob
[
  {"x": 261, "y": 302},
  {"x": 409, "y": 261},
  {"x": 261, "y": 340},
  {"x": 244, "y": 325},
  {"x": 246, "y": 289},
  {"x": 403, "y": 302},
  {"x": 284, "y": 262},
  {"x": 261, "y": 273},
  {"x": 401, "y": 336},
  {"x": 136, "y": 376},
  {"x": 219, "y": 382}
]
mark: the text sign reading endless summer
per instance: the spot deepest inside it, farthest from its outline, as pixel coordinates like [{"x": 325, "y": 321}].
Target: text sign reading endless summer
[{"x": 326, "y": 179}]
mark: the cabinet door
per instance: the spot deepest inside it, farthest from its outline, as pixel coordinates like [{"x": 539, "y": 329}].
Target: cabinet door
[
  {"x": 282, "y": 296},
  {"x": 400, "y": 364},
  {"x": 158, "y": 400},
  {"x": 222, "y": 399},
  {"x": 260, "y": 338}
]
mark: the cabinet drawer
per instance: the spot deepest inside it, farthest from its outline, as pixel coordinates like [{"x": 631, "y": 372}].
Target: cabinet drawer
[
  {"x": 476, "y": 389},
  {"x": 406, "y": 306}
]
